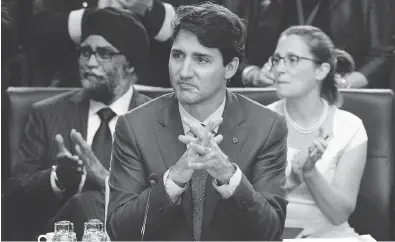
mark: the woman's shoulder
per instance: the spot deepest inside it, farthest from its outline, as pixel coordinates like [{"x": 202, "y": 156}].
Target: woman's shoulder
[
  {"x": 347, "y": 119},
  {"x": 350, "y": 125}
]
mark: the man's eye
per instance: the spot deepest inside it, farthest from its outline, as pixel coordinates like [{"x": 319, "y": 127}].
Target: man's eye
[
  {"x": 105, "y": 54},
  {"x": 85, "y": 53},
  {"x": 293, "y": 59},
  {"x": 275, "y": 60},
  {"x": 176, "y": 55},
  {"x": 202, "y": 60}
]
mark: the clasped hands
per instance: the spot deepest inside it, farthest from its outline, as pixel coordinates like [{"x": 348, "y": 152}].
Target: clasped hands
[
  {"x": 70, "y": 168},
  {"x": 203, "y": 152},
  {"x": 304, "y": 161}
]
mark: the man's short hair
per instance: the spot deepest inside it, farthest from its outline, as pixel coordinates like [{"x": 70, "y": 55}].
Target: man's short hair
[{"x": 215, "y": 27}]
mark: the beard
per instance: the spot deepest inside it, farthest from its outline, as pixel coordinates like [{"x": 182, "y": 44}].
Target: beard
[
  {"x": 101, "y": 92},
  {"x": 104, "y": 88}
]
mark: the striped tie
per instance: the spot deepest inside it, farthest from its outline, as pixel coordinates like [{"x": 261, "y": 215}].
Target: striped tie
[{"x": 198, "y": 190}]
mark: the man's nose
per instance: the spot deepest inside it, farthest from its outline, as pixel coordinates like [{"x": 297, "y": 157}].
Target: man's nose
[
  {"x": 280, "y": 67},
  {"x": 92, "y": 61},
  {"x": 186, "y": 69}
]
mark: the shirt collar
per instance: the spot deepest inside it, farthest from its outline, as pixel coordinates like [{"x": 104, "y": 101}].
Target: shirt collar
[
  {"x": 119, "y": 107},
  {"x": 217, "y": 114}
]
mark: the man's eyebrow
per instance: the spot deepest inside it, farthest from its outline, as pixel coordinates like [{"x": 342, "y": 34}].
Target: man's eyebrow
[
  {"x": 292, "y": 53},
  {"x": 177, "y": 50},
  {"x": 197, "y": 54},
  {"x": 288, "y": 53},
  {"x": 105, "y": 48}
]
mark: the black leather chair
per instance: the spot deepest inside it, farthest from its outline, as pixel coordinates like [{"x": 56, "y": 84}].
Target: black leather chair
[{"x": 373, "y": 214}]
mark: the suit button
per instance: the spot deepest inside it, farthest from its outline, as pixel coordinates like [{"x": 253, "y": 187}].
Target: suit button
[
  {"x": 84, "y": 4},
  {"x": 159, "y": 210}
]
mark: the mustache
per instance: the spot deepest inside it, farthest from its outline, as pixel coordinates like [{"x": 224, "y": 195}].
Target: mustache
[{"x": 87, "y": 74}]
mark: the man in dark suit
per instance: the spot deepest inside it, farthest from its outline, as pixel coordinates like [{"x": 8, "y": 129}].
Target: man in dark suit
[
  {"x": 61, "y": 173},
  {"x": 227, "y": 186}
]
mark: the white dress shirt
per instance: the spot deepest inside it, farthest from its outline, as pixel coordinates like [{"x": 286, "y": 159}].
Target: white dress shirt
[
  {"x": 119, "y": 107},
  {"x": 226, "y": 190}
]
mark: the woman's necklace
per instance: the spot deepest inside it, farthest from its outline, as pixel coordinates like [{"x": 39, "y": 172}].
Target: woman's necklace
[{"x": 312, "y": 128}]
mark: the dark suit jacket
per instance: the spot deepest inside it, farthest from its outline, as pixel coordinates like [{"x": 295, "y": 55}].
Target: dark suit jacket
[
  {"x": 361, "y": 27},
  {"x": 30, "y": 186},
  {"x": 146, "y": 142}
]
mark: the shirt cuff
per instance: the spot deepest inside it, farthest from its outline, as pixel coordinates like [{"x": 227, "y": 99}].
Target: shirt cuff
[
  {"x": 165, "y": 31},
  {"x": 227, "y": 190},
  {"x": 74, "y": 25},
  {"x": 172, "y": 189}
]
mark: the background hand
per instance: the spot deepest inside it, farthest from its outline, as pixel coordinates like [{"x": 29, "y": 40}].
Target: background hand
[
  {"x": 258, "y": 77},
  {"x": 108, "y": 3},
  {"x": 265, "y": 76},
  {"x": 94, "y": 167},
  {"x": 139, "y": 7},
  {"x": 69, "y": 168}
]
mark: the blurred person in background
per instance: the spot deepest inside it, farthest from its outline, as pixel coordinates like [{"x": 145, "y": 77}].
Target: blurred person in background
[
  {"x": 55, "y": 32},
  {"x": 327, "y": 146},
  {"x": 363, "y": 28},
  {"x": 64, "y": 154}
]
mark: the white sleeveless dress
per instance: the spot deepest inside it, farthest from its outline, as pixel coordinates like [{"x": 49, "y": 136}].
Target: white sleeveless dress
[{"x": 302, "y": 210}]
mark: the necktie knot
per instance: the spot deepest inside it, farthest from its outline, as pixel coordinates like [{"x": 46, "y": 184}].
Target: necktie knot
[
  {"x": 212, "y": 131},
  {"x": 106, "y": 114}
]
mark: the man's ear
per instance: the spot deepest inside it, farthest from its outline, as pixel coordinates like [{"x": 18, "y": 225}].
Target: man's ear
[
  {"x": 130, "y": 69},
  {"x": 322, "y": 71},
  {"x": 231, "y": 68}
]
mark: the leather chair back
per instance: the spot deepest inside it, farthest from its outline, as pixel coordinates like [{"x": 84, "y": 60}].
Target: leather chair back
[
  {"x": 21, "y": 100},
  {"x": 373, "y": 214}
]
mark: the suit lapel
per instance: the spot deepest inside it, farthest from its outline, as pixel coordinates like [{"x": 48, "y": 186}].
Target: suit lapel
[
  {"x": 170, "y": 147},
  {"x": 167, "y": 134},
  {"x": 78, "y": 117},
  {"x": 234, "y": 137},
  {"x": 136, "y": 100}
]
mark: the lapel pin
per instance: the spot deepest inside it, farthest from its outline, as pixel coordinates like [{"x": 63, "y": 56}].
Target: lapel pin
[{"x": 235, "y": 140}]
